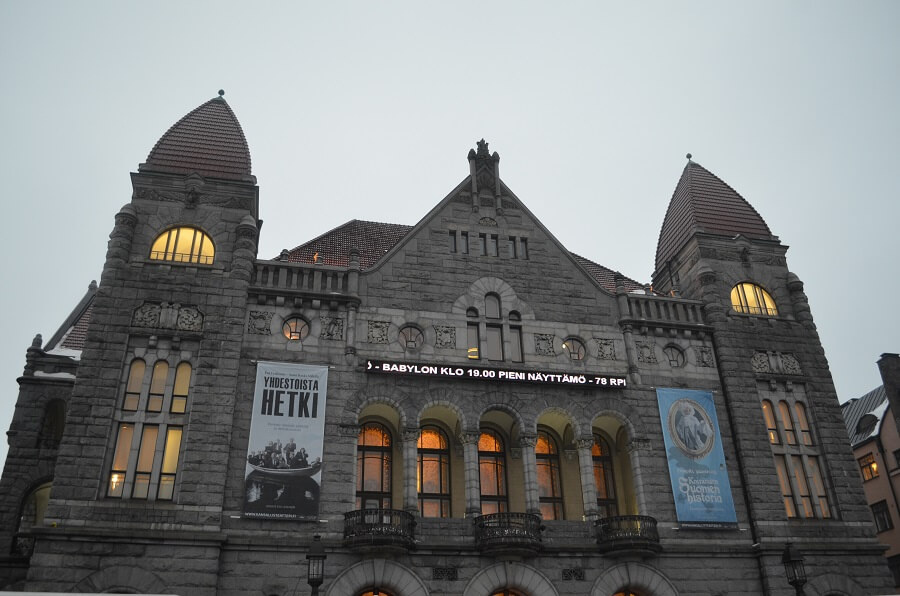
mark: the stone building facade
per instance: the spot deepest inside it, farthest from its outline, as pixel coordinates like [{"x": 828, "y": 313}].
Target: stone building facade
[{"x": 494, "y": 420}]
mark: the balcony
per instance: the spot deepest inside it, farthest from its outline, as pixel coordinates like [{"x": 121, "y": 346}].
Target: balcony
[
  {"x": 512, "y": 534},
  {"x": 379, "y": 529},
  {"x": 627, "y": 535}
]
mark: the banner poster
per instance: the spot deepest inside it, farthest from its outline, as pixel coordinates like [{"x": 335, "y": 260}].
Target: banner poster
[
  {"x": 696, "y": 459},
  {"x": 287, "y": 434}
]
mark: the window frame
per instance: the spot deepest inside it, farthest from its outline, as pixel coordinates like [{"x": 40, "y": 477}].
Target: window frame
[
  {"x": 881, "y": 514},
  {"x": 552, "y": 502},
  {"x": 442, "y": 456},
  {"x": 164, "y": 246},
  {"x": 385, "y": 453},
  {"x": 603, "y": 465},
  {"x": 759, "y": 302},
  {"x": 868, "y": 467},
  {"x": 497, "y": 460}
]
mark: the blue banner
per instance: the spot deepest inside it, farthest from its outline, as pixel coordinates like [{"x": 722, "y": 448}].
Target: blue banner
[{"x": 696, "y": 460}]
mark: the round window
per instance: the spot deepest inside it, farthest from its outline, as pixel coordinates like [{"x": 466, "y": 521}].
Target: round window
[{"x": 295, "y": 328}]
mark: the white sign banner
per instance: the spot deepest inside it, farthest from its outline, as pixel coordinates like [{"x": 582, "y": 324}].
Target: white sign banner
[{"x": 287, "y": 435}]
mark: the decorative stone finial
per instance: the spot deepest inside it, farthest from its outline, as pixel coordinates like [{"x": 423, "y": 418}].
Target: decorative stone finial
[
  {"x": 37, "y": 342},
  {"x": 93, "y": 285},
  {"x": 483, "y": 149},
  {"x": 689, "y": 156},
  {"x": 222, "y": 93}
]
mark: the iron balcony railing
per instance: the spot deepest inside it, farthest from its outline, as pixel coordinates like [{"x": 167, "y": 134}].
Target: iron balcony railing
[
  {"x": 379, "y": 527},
  {"x": 508, "y": 532},
  {"x": 627, "y": 534}
]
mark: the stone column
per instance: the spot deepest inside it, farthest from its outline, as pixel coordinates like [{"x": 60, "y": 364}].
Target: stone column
[
  {"x": 410, "y": 470},
  {"x": 529, "y": 472},
  {"x": 588, "y": 485},
  {"x": 469, "y": 441}
]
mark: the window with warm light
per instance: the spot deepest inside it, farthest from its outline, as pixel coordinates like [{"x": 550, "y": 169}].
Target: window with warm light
[
  {"x": 433, "y": 473},
  {"x": 295, "y": 328},
  {"x": 492, "y": 473},
  {"x": 751, "y": 299},
  {"x": 868, "y": 467},
  {"x": 574, "y": 348},
  {"x": 183, "y": 245},
  {"x": 548, "y": 478},
  {"x": 373, "y": 467},
  {"x": 604, "y": 478}
]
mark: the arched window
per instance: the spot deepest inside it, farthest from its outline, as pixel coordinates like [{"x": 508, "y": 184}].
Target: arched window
[
  {"x": 295, "y": 328},
  {"x": 492, "y": 337},
  {"x": 158, "y": 386},
  {"x": 507, "y": 592},
  {"x": 549, "y": 486},
  {"x": 751, "y": 299},
  {"x": 53, "y": 424},
  {"x": 133, "y": 386},
  {"x": 492, "y": 306},
  {"x": 433, "y": 478},
  {"x": 785, "y": 415},
  {"x": 492, "y": 473},
  {"x": 183, "y": 245},
  {"x": 604, "y": 478},
  {"x": 376, "y": 592},
  {"x": 373, "y": 467},
  {"x": 574, "y": 348},
  {"x": 769, "y": 415},
  {"x": 180, "y": 390}
]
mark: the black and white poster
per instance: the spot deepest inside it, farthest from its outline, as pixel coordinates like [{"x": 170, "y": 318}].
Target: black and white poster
[{"x": 287, "y": 434}]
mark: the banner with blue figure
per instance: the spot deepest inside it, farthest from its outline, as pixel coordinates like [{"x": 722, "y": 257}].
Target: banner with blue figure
[{"x": 696, "y": 460}]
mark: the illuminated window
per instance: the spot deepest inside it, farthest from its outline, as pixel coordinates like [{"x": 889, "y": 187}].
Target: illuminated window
[
  {"x": 604, "y": 478},
  {"x": 882, "y": 515},
  {"x": 492, "y": 473},
  {"x": 507, "y": 593},
  {"x": 433, "y": 477},
  {"x": 574, "y": 348},
  {"x": 134, "y": 385},
  {"x": 183, "y": 245},
  {"x": 295, "y": 328},
  {"x": 180, "y": 390},
  {"x": 373, "y": 467},
  {"x": 549, "y": 485},
  {"x": 158, "y": 386},
  {"x": 411, "y": 338},
  {"x": 868, "y": 466},
  {"x": 751, "y": 299},
  {"x": 803, "y": 489},
  {"x": 376, "y": 592},
  {"x": 120, "y": 460}
]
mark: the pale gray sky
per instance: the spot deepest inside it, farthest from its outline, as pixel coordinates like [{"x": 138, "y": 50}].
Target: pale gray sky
[{"x": 367, "y": 110}]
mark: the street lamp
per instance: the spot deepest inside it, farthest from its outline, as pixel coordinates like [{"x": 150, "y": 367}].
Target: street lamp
[
  {"x": 315, "y": 570},
  {"x": 793, "y": 567}
]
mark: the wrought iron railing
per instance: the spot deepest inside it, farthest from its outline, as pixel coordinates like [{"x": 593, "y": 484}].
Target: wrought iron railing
[
  {"x": 379, "y": 527},
  {"x": 508, "y": 531},
  {"x": 627, "y": 533}
]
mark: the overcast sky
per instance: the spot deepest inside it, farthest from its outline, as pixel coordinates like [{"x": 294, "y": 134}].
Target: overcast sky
[{"x": 367, "y": 110}]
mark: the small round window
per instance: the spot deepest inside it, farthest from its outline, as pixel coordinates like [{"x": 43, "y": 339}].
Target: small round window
[
  {"x": 574, "y": 348},
  {"x": 295, "y": 329},
  {"x": 411, "y": 338}
]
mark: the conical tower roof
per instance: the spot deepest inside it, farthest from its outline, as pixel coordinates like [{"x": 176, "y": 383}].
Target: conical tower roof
[
  {"x": 208, "y": 140},
  {"x": 702, "y": 202}
]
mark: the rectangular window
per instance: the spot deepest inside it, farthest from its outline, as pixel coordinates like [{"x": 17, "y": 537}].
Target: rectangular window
[
  {"x": 452, "y": 241},
  {"x": 169, "y": 464},
  {"x": 494, "y": 342},
  {"x": 515, "y": 344},
  {"x": 524, "y": 248},
  {"x": 464, "y": 242},
  {"x": 868, "y": 466},
  {"x": 144, "y": 468},
  {"x": 784, "y": 481},
  {"x": 482, "y": 245},
  {"x": 513, "y": 248},
  {"x": 472, "y": 341},
  {"x": 802, "y": 486},
  {"x": 493, "y": 245},
  {"x": 882, "y": 515},
  {"x": 120, "y": 460}
]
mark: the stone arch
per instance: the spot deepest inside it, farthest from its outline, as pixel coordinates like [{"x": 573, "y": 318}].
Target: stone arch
[
  {"x": 504, "y": 402},
  {"x": 443, "y": 398},
  {"x": 120, "y": 578},
  {"x": 382, "y": 393},
  {"x": 475, "y": 293},
  {"x": 833, "y": 584},
  {"x": 396, "y": 578},
  {"x": 573, "y": 420},
  {"x": 631, "y": 422},
  {"x": 510, "y": 575},
  {"x": 635, "y": 576}
]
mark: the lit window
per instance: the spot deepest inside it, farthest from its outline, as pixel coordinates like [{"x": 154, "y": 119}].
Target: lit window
[
  {"x": 158, "y": 386},
  {"x": 120, "y": 460},
  {"x": 144, "y": 467},
  {"x": 492, "y": 473},
  {"x": 751, "y": 299},
  {"x": 882, "y": 515},
  {"x": 373, "y": 467},
  {"x": 868, "y": 466},
  {"x": 769, "y": 415},
  {"x": 433, "y": 478},
  {"x": 133, "y": 387},
  {"x": 411, "y": 338},
  {"x": 295, "y": 328},
  {"x": 183, "y": 245},
  {"x": 574, "y": 348},
  {"x": 180, "y": 390},
  {"x": 549, "y": 485},
  {"x": 603, "y": 477}
]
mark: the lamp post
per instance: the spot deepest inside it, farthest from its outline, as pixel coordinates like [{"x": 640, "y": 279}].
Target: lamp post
[
  {"x": 793, "y": 567},
  {"x": 315, "y": 566}
]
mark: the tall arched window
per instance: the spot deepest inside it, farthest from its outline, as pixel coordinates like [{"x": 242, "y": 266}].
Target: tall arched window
[
  {"x": 549, "y": 486},
  {"x": 373, "y": 467},
  {"x": 180, "y": 390},
  {"x": 751, "y": 299},
  {"x": 492, "y": 473},
  {"x": 433, "y": 478},
  {"x": 183, "y": 245},
  {"x": 158, "y": 386},
  {"x": 134, "y": 384},
  {"x": 604, "y": 477}
]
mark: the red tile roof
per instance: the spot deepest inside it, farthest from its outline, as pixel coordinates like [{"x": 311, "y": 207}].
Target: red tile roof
[
  {"x": 704, "y": 203},
  {"x": 208, "y": 140},
  {"x": 371, "y": 238},
  {"x": 74, "y": 340}
]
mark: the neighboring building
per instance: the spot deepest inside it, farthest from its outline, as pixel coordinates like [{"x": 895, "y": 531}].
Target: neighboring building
[
  {"x": 459, "y": 407},
  {"x": 875, "y": 440}
]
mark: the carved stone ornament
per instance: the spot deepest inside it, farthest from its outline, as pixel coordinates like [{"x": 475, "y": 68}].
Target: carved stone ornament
[
  {"x": 378, "y": 332},
  {"x": 189, "y": 319},
  {"x": 332, "y": 328},
  {"x": 445, "y": 337},
  {"x": 606, "y": 349},
  {"x": 168, "y": 315},
  {"x": 790, "y": 365},
  {"x": 760, "y": 363},
  {"x": 705, "y": 356},
  {"x": 146, "y": 315},
  {"x": 260, "y": 322},
  {"x": 543, "y": 344},
  {"x": 646, "y": 352},
  {"x": 488, "y": 221}
]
